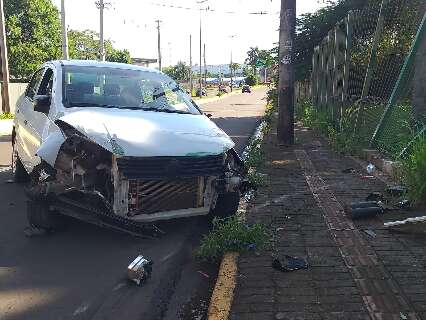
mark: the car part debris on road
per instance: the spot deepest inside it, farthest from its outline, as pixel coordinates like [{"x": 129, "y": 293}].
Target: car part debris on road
[
  {"x": 292, "y": 264},
  {"x": 139, "y": 270},
  {"x": 367, "y": 209},
  {"x": 371, "y": 233},
  {"x": 370, "y": 168},
  {"x": 396, "y": 191},
  {"x": 375, "y": 196}
]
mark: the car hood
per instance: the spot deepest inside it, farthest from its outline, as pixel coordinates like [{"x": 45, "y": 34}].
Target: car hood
[{"x": 148, "y": 133}]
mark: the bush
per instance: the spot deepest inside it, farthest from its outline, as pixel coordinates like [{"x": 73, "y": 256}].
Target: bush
[
  {"x": 233, "y": 235},
  {"x": 252, "y": 80},
  {"x": 414, "y": 171},
  {"x": 4, "y": 116},
  {"x": 272, "y": 97}
]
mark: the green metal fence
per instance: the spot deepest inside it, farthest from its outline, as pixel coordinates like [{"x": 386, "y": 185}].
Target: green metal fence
[{"x": 381, "y": 77}]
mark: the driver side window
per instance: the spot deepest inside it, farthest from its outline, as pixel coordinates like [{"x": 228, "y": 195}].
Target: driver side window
[
  {"x": 46, "y": 83},
  {"x": 34, "y": 84}
]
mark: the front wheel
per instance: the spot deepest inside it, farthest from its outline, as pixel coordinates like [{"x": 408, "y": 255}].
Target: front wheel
[
  {"x": 20, "y": 175},
  {"x": 40, "y": 216},
  {"x": 226, "y": 204}
]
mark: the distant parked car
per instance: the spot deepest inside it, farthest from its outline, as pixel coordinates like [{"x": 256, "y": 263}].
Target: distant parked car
[{"x": 246, "y": 88}]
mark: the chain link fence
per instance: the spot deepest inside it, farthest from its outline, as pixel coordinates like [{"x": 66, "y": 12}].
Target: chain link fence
[{"x": 369, "y": 75}]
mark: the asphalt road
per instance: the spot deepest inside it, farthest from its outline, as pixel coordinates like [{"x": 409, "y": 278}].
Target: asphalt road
[{"x": 80, "y": 272}]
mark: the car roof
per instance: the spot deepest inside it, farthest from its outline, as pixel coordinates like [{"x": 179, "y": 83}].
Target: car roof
[{"x": 94, "y": 63}]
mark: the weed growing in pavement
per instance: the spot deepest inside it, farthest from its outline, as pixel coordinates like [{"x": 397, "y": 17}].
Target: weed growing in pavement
[
  {"x": 414, "y": 171},
  {"x": 5, "y": 116},
  {"x": 233, "y": 235},
  {"x": 257, "y": 179},
  {"x": 254, "y": 156}
]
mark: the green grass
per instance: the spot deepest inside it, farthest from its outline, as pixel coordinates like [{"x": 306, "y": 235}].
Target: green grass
[
  {"x": 6, "y": 116},
  {"x": 414, "y": 171},
  {"x": 233, "y": 235}
]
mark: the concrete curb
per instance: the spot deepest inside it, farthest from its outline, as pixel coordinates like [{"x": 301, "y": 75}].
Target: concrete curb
[{"x": 223, "y": 293}]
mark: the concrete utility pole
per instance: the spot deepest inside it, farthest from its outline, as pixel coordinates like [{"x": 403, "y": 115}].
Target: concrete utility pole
[
  {"x": 200, "y": 75},
  {"x": 205, "y": 66},
  {"x": 101, "y": 6},
  {"x": 230, "y": 66},
  {"x": 159, "y": 44},
  {"x": 64, "y": 32},
  {"x": 285, "y": 129},
  {"x": 190, "y": 64},
  {"x": 4, "y": 63}
]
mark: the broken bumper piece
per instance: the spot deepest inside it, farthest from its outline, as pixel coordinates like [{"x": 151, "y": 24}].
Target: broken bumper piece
[{"x": 139, "y": 270}]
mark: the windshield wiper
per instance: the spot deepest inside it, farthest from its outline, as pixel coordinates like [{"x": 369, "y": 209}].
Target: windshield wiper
[
  {"x": 165, "y": 110},
  {"x": 96, "y": 105}
]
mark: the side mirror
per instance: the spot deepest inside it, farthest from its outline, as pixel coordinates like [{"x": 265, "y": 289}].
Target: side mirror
[{"x": 42, "y": 103}]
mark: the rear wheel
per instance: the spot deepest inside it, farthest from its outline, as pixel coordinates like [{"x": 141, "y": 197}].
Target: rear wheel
[{"x": 226, "y": 204}]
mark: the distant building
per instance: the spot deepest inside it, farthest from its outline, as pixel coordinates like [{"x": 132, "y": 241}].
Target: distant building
[{"x": 143, "y": 62}]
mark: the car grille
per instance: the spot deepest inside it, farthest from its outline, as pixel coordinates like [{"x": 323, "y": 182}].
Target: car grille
[
  {"x": 170, "y": 167},
  {"x": 150, "y": 196}
]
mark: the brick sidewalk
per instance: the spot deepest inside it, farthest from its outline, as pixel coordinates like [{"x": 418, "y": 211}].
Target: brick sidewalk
[{"x": 351, "y": 275}]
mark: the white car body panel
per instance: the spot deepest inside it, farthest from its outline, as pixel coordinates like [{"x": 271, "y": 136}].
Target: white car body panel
[{"x": 149, "y": 133}]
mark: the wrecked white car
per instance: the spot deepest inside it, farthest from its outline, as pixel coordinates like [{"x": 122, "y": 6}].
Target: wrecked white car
[{"x": 118, "y": 145}]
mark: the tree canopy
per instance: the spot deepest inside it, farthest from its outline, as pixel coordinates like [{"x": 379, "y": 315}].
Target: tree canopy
[
  {"x": 33, "y": 34},
  {"x": 85, "y": 45},
  {"x": 311, "y": 28},
  {"x": 179, "y": 72}
]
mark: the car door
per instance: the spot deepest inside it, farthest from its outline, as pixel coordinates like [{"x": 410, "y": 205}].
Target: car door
[
  {"x": 25, "y": 135},
  {"x": 35, "y": 122}
]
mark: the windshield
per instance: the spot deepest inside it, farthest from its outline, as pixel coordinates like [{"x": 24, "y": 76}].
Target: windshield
[{"x": 108, "y": 87}]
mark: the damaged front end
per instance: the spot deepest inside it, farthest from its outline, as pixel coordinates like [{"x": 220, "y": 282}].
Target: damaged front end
[{"x": 89, "y": 182}]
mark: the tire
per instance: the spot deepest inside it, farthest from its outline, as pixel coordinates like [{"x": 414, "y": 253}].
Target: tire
[
  {"x": 40, "y": 216},
  {"x": 226, "y": 205},
  {"x": 20, "y": 175}
]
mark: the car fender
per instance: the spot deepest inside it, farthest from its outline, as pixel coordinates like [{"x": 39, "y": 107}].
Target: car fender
[{"x": 49, "y": 149}]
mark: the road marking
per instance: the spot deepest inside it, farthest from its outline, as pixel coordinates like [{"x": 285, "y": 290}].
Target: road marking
[
  {"x": 81, "y": 309},
  {"x": 167, "y": 257}
]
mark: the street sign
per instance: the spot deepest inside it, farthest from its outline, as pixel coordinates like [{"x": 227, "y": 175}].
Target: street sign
[{"x": 260, "y": 63}]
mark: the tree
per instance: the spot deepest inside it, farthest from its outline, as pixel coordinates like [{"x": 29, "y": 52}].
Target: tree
[
  {"x": 234, "y": 67},
  {"x": 33, "y": 35},
  {"x": 313, "y": 27},
  {"x": 179, "y": 72},
  {"x": 85, "y": 45}
]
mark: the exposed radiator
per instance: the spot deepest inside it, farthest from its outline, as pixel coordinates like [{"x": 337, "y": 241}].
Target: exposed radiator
[
  {"x": 147, "y": 168},
  {"x": 150, "y": 196}
]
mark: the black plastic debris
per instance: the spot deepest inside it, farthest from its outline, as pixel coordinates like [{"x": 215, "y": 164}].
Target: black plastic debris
[
  {"x": 139, "y": 270},
  {"x": 371, "y": 233},
  {"x": 396, "y": 191},
  {"x": 367, "y": 209},
  {"x": 34, "y": 232},
  {"x": 375, "y": 196},
  {"x": 291, "y": 264},
  {"x": 404, "y": 204}
]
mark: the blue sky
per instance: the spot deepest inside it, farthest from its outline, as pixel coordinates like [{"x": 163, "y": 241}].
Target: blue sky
[{"x": 131, "y": 24}]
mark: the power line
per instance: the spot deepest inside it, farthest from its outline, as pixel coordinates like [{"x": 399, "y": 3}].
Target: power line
[{"x": 208, "y": 9}]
